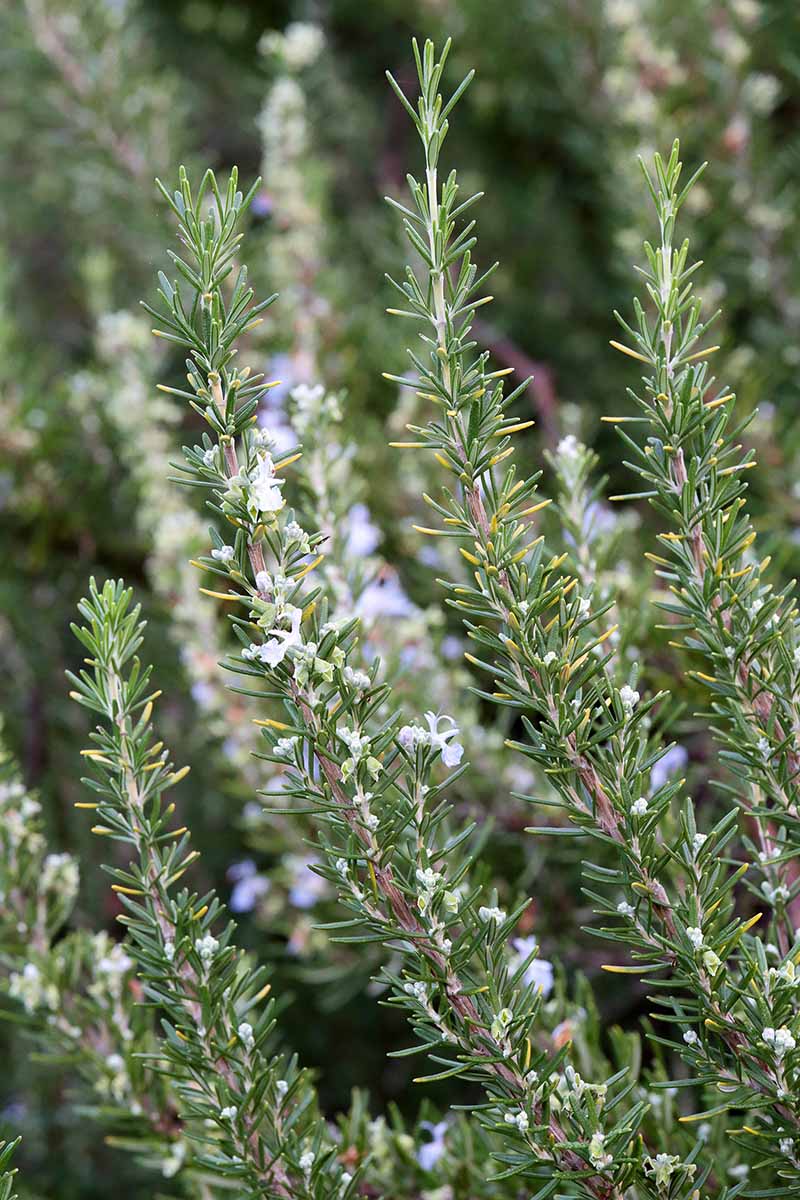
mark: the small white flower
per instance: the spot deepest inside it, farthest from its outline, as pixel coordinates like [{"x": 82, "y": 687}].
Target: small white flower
[
  {"x": 295, "y": 534},
  {"x": 662, "y": 1167},
  {"x": 281, "y": 1087},
  {"x": 775, "y": 895},
  {"x": 520, "y": 1119},
  {"x": 358, "y": 679},
  {"x": 210, "y": 458},
  {"x": 245, "y": 1035},
  {"x": 763, "y": 747},
  {"x": 639, "y": 807},
  {"x": 229, "y": 1113},
  {"x": 417, "y": 989},
  {"x": 786, "y": 973},
  {"x": 698, "y": 841},
  {"x": 408, "y": 736},
  {"x": 598, "y": 1156},
  {"x": 224, "y": 554},
  {"x": 549, "y": 658},
  {"x": 571, "y": 1081},
  {"x": 711, "y": 962},
  {"x": 569, "y": 448},
  {"x": 280, "y": 641},
  {"x": 429, "y": 878},
  {"x": 690, "y": 1037},
  {"x": 206, "y": 947},
  {"x": 284, "y": 747},
  {"x": 488, "y": 914},
  {"x": 501, "y": 1022},
  {"x": 263, "y": 582},
  {"x": 625, "y": 909},
  {"x": 357, "y": 743},
  {"x": 265, "y": 487},
  {"x": 307, "y": 1161},
  {"x": 430, "y": 882},
  {"x": 695, "y": 936},
  {"x": 169, "y": 951},
  {"x": 629, "y": 697},
  {"x": 452, "y": 751},
  {"x": 781, "y": 1040}
]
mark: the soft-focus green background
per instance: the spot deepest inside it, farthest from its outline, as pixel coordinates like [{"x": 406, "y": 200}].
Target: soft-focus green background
[{"x": 99, "y": 96}]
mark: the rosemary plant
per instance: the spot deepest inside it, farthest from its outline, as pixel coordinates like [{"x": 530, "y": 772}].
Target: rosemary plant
[
  {"x": 74, "y": 991},
  {"x": 744, "y": 631},
  {"x": 78, "y": 995},
  {"x": 672, "y": 897},
  {"x": 174, "y": 1028},
  {"x": 252, "y": 1113},
  {"x": 371, "y": 782}
]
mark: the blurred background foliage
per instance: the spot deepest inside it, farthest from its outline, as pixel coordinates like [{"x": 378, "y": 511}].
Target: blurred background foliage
[{"x": 100, "y": 96}]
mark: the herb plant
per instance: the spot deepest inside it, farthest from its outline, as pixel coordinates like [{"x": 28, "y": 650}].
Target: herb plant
[{"x": 174, "y": 1030}]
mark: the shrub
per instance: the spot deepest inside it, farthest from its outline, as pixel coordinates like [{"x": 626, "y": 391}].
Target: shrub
[{"x": 175, "y": 1029}]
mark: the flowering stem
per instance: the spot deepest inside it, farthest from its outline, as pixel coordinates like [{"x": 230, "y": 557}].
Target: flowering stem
[
  {"x": 536, "y": 637},
  {"x": 194, "y": 975}
]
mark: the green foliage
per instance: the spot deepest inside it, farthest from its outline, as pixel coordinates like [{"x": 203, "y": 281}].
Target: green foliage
[
  {"x": 383, "y": 867},
  {"x": 7, "y": 1177},
  {"x": 250, "y": 1114},
  {"x": 674, "y": 887},
  {"x": 383, "y": 838}
]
